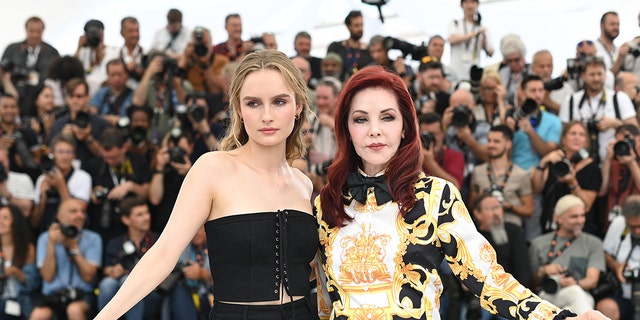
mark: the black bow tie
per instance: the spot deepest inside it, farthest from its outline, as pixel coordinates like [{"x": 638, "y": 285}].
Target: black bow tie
[{"x": 358, "y": 185}]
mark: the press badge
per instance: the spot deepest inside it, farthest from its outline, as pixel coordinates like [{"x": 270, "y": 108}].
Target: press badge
[
  {"x": 12, "y": 308},
  {"x": 34, "y": 78}
]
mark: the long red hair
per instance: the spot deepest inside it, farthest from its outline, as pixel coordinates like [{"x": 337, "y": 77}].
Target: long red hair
[{"x": 402, "y": 172}]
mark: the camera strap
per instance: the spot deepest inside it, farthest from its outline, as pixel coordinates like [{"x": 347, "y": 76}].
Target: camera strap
[
  {"x": 115, "y": 105},
  {"x": 493, "y": 183},
  {"x": 551, "y": 254}
]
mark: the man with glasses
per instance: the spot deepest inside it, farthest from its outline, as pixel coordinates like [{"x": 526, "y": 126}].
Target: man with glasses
[
  {"x": 586, "y": 51},
  {"x": 513, "y": 52},
  {"x": 83, "y": 126},
  {"x": 601, "y": 109},
  {"x": 58, "y": 183}
]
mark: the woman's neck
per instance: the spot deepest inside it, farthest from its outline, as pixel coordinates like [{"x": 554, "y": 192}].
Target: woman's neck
[{"x": 264, "y": 158}]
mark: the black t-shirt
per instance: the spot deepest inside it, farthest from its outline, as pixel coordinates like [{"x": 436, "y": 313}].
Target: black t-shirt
[
  {"x": 113, "y": 252},
  {"x": 25, "y": 138},
  {"x": 98, "y": 125},
  {"x": 172, "y": 182}
]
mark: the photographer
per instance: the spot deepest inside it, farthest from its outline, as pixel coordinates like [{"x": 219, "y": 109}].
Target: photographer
[
  {"x": 172, "y": 162},
  {"x": 115, "y": 175},
  {"x": 628, "y": 83},
  {"x": 492, "y": 98},
  {"x": 15, "y": 188},
  {"x": 569, "y": 170},
  {"x": 620, "y": 169},
  {"x": 173, "y": 38},
  {"x": 112, "y": 101},
  {"x": 21, "y": 142},
  {"x": 59, "y": 182},
  {"x": 431, "y": 80},
  {"x": 515, "y": 69},
  {"x": 68, "y": 257},
  {"x": 123, "y": 252},
  {"x": 137, "y": 132},
  {"x": 439, "y": 160},
  {"x": 202, "y": 121},
  {"x": 161, "y": 89},
  {"x": 195, "y": 260},
  {"x": 80, "y": 124},
  {"x": 380, "y": 55},
  {"x": 622, "y": 256},
  {"x": 94, "y": 54},
  {"x": 628, "y": 56},
  {"x": 555, "y": 90},
  {"x": 603, "y": 110},
  {"x": 201, "y": 65},
  {"x": 566, "y": 263}
]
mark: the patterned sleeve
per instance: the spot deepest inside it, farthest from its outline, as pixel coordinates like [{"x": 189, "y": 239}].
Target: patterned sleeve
[
  {"x": 324, "y": 301},
  {"x": 473, "y": 260}
]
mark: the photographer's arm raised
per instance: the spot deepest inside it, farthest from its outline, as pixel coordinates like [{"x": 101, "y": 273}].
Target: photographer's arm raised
[
  {"x": 541, "y": 147},
  {"x": 478, "y": 150}
]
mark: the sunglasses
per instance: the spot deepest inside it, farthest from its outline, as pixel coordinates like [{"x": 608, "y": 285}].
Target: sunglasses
[{"x": 583, "y": 43}]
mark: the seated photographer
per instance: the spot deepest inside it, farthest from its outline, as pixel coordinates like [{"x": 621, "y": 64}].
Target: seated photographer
[
  {"x": 508, "y": 241},
  {"x": 59, "y": 182},
  {"x": 439, "y": 160},
  {"x": 68, "y": 257},
  {"x": 80, "y": 124},
  {"x": 19, "y": 278},
  {"x": 431, "y": 96},
  {"x": 195, "y": 262},
  {"x": 170, "y": 166},
  {"x": 623, "y": 258},
  {"x": 620, "y": 170},
  {"x": 162, "y": 90},
  {"x": 569, "y": 170},
  {"x": 16, "y": 188},
  {"x": 566, "y": 263},
  {"x": 123, "y": 252},
  {"x": 21, "y": 141},
  {"x": 503, "y": 179},
  {"x": 115, "y": 175},
  {"x": 112, "y": 101},
  {"x": 202, "y": 67},
  {"x": 602, "y": 109}
]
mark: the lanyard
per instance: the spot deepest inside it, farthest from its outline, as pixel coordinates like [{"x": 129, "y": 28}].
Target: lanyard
[
  {"x": 601, "y": 104},
  {"x": 490, "y": 175},
  {"x": 468, "y": 42},
  {"x": 551, "y": 254},
  {"x": 609, "y": 53}
]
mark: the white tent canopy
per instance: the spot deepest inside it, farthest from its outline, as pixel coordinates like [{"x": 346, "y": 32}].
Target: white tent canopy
[{"x": 542, "y": 24}]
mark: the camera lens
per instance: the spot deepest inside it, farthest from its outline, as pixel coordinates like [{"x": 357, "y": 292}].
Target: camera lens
[
  {"x": 460, "y": 116},
  {"x": 561, "y": 168},
  {"x": 621, "y": 148}
]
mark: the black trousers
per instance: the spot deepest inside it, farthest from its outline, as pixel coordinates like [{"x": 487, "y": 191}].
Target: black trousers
[{"x": 296, "y": 310}]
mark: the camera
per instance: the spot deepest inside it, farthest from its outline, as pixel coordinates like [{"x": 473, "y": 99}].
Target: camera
[
  {"x": 92, "y": 35},
  {"x": 635, "y": 52},
  {"x": 258, "y": 44},
  {"x": 554, "y": 84},
  {"x": 107, "y": 207},
  {"x": 563, "y": 167},
  {"x": 101, "y": 194},
  {"x": 82, "y": 120},
  {"x": 551, "y": 284},
  {"x": 170, "y": 67},
  {"x": 624, "y": 147},
  {"x": 129, "y": 256},
  {"x": 173, "y": 278},
  {"x": 575, "y": 66},
  {"x": 416, "y": 52},
  {"x": 69, "y": 231},
  {"x": 461, "y": 115},
  {"x": 633, "y": 276},
  {"x": 528, "y": 107},
  {"x": 61, "y": 298},
  {"x": 196, "y": 112},
  {"x": 199, "y": 48},
  {"x": 427, "y": 139},
  {"x": 320, "y": 169},
  {"x": 17, "y": 73},
  {"x": 176, "y": 154},
  {"x": 47, "y": 163}
]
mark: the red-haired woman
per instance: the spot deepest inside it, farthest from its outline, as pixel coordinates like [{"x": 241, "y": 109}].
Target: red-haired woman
[{"x": 385, "y": 226}]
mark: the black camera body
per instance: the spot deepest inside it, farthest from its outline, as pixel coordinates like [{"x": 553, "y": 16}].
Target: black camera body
[
  {"x": 92, "y": 35},
  {"x": 199, "y": 48},
  {"x": 196, "y": 112},
  {"x": 576, "y": 65},
  {"x": 3, "y": 173},
  {"x": 528, "y": 107},
  {"x": 461, "y": 116},
  {"x": 129, "y": 256},
  {"x": 635, "y": 52},
  {"x": 61, "y": 298},
  {"x": 82, "y": 120},
  {"x": 176, "y": 154},
  {"x": 17, "y": 73},
  {"x": 563, "y": 167},
  {"x": 428, "y": 139},
  {"x": 416, "y": 52},
  {"x": 69, "y": 231},
  {"x": 258, "y": 43},
  {"x": 552, "y": 284},
  {"x": 624, "y": 147},
  {"x": 47, "y": 163},
  {"x": 554, "y": 84}
]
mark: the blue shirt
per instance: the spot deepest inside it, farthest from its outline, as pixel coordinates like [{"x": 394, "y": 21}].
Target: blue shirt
[
  {"x": 101, "y": 100},
  {"x": 90, "y": 246},
  {"x": 549, "y": 129}
]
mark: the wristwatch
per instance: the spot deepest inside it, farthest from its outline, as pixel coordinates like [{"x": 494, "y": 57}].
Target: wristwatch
[{"x": 74, "y": 252}]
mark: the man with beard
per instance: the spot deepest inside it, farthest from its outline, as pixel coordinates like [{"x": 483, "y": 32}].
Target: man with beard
[
  {"x": 566, "y": 263},
  {"x": 603, "y": 110},
  {"x": 506, "y": 238},
  {"x": 354, "y": 52},
  {"x": 609, "y": 31},
  {"x": 331, "y": 66},
  {"x": 431, "y": 79},
  {"x": 435, "y": 48},
  {"x": 501, "y": 178}
]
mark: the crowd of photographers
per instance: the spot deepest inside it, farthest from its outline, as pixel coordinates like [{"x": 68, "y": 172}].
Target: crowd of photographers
[{"x": 94, "y": 147}]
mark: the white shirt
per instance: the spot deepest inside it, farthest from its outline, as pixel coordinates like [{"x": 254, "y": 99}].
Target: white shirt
[
  {"x": 618, "y": 246},
  {"x": 464, "y": 54},
  {"x": 608, "y": 56},
  {"x": 592, "y": 109},
  {"x": 79, "y": 185},
  {"x": 96, "y": 75},
  {"x": 162, "y": 38},
  {"x": 20, "y": 185}
]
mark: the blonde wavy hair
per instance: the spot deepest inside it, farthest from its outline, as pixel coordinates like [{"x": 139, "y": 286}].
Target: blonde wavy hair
[{"x": 267, "y": 60}]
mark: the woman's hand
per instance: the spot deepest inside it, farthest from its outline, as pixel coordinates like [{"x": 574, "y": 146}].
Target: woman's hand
[{"x": 591, "y": 315}]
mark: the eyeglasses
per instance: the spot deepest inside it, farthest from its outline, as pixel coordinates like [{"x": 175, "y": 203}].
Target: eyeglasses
[
  {"x": 493, "y": 208},
  {"x": 67, "y": 152},
  {"x": 77, "y": 96},
  {"x": 587, "y": 42},
  {"x": 304, "y": 132}
]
